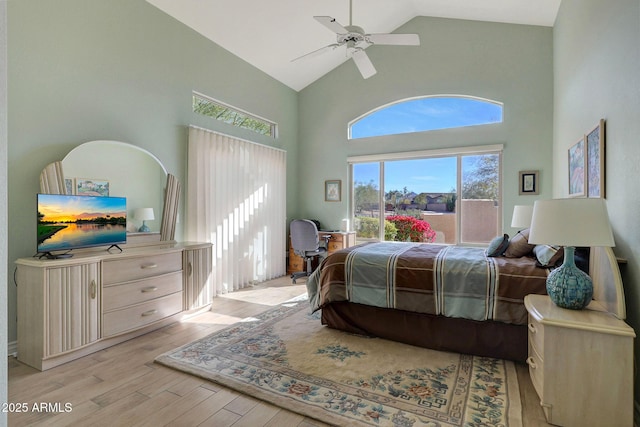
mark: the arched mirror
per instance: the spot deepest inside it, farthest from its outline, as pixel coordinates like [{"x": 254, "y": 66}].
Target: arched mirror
[{"x": 116, "y": 168}]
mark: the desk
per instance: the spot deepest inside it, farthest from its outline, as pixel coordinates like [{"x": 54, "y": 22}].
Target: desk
[{"x": 337, "y": 240}]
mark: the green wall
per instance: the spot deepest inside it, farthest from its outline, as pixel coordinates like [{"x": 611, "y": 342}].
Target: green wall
[
  {"x": 3, "y": 206},
  {"x": 597, "y": 76},
  {"x": 506, "y": 63},
  {"x": 83, "y": 70}
]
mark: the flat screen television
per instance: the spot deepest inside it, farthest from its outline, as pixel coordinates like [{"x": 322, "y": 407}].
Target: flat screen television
[{"x": 67, "y": 222}]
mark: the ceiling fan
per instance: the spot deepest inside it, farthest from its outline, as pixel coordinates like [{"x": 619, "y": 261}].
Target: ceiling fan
[{"x": 356, "y": 41}]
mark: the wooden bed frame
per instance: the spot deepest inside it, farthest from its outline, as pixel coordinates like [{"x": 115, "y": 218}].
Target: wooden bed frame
[{"x": 489, "y": 338}]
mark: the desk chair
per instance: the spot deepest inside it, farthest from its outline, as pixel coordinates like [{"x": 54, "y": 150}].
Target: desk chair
[{"x": 306, "y": 244}]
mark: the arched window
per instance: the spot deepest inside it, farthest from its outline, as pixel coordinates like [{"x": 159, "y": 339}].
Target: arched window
[{"x": 426, "y": 113}]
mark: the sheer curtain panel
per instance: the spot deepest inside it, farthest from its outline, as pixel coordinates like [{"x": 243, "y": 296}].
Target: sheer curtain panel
[{"x": 236, "y": 199}]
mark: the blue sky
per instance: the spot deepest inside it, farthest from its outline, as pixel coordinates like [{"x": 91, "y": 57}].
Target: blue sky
[
  {"x": 425, "y": 175},
  {"x": 436, "y": 175},
  {"x": 424, "y": 114}
]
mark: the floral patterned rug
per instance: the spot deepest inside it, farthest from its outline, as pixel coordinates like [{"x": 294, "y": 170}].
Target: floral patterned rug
[{"x": 286, "y": 357}]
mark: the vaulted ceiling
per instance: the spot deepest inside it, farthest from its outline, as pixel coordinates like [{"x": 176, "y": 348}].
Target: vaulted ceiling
[{"x": 270, "y": 34}]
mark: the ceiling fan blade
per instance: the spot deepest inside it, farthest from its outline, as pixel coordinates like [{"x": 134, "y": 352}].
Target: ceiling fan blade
[
  {"x": 394, "y": 39},
  {"x": 364, "y": 64},
  {"x": 331, "y": 24},
  {"x": 317, "y": 52}
]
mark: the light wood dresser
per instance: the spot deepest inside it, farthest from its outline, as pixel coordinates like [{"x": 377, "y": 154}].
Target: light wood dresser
[
  {"x": 68, "y": 308},
  {"x": 581, "y": 364},
  {"x": 337, "y": 240}
]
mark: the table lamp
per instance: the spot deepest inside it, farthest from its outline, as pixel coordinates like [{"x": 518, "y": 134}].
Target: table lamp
[
  {"x": 522, "y": 216},
  {"x": 145, "y": 214},
  {"x": 570, "y": 223}
]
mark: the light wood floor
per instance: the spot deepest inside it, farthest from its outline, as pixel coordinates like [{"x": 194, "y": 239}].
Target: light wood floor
[{"x": 121, "y": 386}]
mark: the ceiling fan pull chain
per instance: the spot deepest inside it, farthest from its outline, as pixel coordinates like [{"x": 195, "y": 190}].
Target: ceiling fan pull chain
[{"x": 350, "y": 12}]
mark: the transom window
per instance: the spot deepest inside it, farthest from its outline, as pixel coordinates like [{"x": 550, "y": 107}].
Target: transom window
[
  {"x": 425, "y": 114},
  {"x": 220, "y": 111}
]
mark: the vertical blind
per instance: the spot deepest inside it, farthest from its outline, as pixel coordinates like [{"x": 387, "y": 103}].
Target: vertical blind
[{"x": 236, "y": 199}]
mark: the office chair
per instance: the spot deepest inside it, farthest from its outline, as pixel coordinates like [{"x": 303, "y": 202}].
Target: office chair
[{"x": 306, "y": 244}]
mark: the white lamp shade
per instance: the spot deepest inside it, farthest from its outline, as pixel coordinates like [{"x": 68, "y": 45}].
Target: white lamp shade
[
  {"x": 571, "y": 222},
  {"x": 522, "y": 216},
  {"x": 144, "y": 214}
]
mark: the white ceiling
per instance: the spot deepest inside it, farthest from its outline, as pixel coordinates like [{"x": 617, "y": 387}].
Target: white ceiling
[{"x": 270, "y": 33}]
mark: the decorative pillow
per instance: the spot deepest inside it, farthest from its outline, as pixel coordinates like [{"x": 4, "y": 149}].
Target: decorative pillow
[
  {"x": 519, "y": 245},
  {"x": 498, "y": 245},
  {"x": 547, "y": 255}
]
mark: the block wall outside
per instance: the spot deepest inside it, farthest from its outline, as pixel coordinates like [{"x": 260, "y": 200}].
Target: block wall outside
[{"x": 479, "y": 222}]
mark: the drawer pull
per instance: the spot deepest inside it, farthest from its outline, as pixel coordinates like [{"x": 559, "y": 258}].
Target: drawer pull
[
  {"x": 532, "y": 328},
  {"x": 146, "y": 266},
  {"x": 94, "y": 289},
  {"x": 189, "y": 269},
  {"x": 149, "y": 313},
  {"x": 531, "y": 363},
  {"x": 149, "y": 289}
]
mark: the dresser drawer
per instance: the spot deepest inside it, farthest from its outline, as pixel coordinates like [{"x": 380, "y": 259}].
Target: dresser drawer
[
  {"x": 536, "y": 335},
  {"x": 119, "y": 296},
  {"x": 133, "y": 268},
  {"x": 536, "y": 371},
  {"x": 296, "y": 264},
  {"x": 336, "y": 237},
  {"x": 334, "y": 246},
  {"x": 136, "y": 316}
]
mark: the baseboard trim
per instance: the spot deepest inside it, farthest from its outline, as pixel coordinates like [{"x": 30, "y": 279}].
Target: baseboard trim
[{"x": 12, "y": 349}]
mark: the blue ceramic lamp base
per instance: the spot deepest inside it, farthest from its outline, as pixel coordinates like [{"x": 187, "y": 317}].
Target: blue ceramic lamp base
[
  {"x": 144, "y": 228},
  {"x": 568, "y": 286}
]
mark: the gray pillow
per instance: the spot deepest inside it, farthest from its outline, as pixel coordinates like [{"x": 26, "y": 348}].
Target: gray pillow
[
  {"x": 547, "y": 255},
  {"x": 519, "y": 245},
  {"x": 498, "y": 245}
]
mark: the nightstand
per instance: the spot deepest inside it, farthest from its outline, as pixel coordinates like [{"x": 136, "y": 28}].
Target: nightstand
[{"x": 581, "y": 364}]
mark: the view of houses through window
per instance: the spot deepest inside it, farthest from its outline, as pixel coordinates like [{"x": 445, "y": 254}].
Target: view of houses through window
[{"x": 452, "y": 199}]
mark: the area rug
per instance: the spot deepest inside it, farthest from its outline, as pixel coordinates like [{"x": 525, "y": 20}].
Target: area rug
[{"x": 286, "y": 357}]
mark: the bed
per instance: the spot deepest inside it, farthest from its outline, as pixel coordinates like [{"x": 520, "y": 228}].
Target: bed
[{"x": 414, "y": 293}]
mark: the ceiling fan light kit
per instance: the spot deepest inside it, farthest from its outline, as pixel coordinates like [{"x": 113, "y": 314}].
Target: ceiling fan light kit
[{"x": 357, "y": 40}]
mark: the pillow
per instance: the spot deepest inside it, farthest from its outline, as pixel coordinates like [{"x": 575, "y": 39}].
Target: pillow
[
  {"x": 547, "y": 255},
  {"x": 498, "y": 245},
  {"x": 519, "y": 245}
]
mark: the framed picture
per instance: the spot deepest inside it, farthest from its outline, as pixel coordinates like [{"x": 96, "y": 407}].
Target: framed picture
[
  {"x": 529, "y": 182},
  {"x": 92, "y": 187},
  {"x": 68, "y": 186},
  {"x": 577, "y": 176},
  {"x": 332, "y": 190},
  {"x": 595, "y": 161}
]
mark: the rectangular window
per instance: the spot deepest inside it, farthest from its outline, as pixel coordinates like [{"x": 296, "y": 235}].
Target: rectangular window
[
  {"x": 233, "y": 116},
  {"x": 456, "y": 192}
]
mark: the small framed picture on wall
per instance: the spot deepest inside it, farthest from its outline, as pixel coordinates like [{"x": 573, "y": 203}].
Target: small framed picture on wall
[
  {"x": 332, "y": 190},
  {"x": 529, "y": 182}
]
